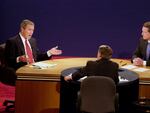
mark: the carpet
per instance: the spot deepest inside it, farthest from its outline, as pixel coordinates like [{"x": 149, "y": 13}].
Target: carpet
[{"x": 6, "y": 93}]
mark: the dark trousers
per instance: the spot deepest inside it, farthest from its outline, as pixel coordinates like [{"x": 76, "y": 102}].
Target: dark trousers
[
  {"x": 7, "y": 75},
  {"x": 68, "y": 96}
]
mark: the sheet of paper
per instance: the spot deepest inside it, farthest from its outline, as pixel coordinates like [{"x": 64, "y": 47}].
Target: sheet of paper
[
  {"x": 121, "y": 79},
  {"x": 129, "y": 67},
  {"x": 41, "y": 65},
  {"x": 141, "y": 69},
  {"x": 81, "y": 79}
]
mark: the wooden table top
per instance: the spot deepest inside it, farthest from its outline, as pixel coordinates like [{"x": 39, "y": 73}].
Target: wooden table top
[{"x": 53, "y": 73}]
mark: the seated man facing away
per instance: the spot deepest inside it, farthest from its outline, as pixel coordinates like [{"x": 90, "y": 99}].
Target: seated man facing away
[{"x": 103, "y": 66}]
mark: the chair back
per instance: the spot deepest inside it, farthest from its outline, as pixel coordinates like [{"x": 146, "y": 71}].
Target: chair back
[
  {"x": 97, "y": 95},
  {"x": 2, "y": 54},
  {"x": 7, "y": 77},
  {"x": 7, "y": 74}
]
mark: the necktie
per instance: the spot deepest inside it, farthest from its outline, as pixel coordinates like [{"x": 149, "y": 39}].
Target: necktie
[
  {"x": 29, "y": 52},
  {"x": 148, "y": 51}
]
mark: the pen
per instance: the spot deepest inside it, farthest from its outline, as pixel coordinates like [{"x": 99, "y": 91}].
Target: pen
[
  {"x": 36, "y": 67},
  {"x": 120, "y": 61},
  {"x": 124, "y": 64}
]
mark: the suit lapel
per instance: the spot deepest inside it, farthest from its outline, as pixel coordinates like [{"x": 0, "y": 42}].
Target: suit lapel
[
  {"x": 20, "y": 45},
  {"x": 145, "y": 48}
]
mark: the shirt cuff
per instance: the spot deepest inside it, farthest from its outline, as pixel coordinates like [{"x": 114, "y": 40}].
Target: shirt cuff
[
  {"x": 17, "y": 59},
  {"x": 49, "y": 54},
  {"x": 144, "y": 63},
  {"x": 70, "y": 75}
]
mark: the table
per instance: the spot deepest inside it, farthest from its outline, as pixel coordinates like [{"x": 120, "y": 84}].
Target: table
[{"x": 37, "y": 90}]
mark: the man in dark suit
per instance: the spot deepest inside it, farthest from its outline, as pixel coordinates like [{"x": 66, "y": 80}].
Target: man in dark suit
[
  {"x": 141, "y": 55},
  {"x": 22, "y": 48},
  {"x": 103, "y": 66}
]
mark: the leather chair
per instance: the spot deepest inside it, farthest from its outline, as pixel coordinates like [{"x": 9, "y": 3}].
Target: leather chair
[
  {"x": 7, "y": 76},
  {"x": 2, "y": 52},
  {"x": 97, "y": 95}
]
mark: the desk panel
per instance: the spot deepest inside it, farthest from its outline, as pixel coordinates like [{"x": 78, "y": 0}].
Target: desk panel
[
  {"x": 37, "y": 96},
  {"x": 144, "y": 91}
]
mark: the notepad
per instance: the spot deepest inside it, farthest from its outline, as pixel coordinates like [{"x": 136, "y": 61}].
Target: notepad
[
  {"x": 141, "y": 69},
  {"x": 42, "y": 65},
  {"x": 129, "y": 67}
]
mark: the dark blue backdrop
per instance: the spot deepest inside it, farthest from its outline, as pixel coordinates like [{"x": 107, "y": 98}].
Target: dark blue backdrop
[{"x": 78, "y": 27}]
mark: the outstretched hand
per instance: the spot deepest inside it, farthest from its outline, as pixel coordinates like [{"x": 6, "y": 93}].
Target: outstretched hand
[
  {"x": 67, "y": 78},
  {"x": 55, "y": 51},
  {"x": 23, "y": 58}
]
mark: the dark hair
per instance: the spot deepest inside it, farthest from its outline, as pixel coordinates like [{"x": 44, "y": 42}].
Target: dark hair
[
  {"x": 147, "y": 25},
  {"x": 105, "y": 51}
]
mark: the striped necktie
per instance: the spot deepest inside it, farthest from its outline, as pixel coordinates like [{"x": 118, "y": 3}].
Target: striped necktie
[{"x": 29, "y": 52}]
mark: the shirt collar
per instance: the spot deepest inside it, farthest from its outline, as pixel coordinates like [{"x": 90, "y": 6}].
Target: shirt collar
[{"x": 22, "y": 38}]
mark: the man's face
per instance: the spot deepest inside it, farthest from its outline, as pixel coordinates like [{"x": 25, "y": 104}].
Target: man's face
[
  {"x": 27, "y": 32},
  {"x": 145, "y": 33},
  {"x": 98, "y": 55}
]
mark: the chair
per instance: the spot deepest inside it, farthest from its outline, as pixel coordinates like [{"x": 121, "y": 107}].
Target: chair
[
  {"x": 2, "y": 52},
  {"x": 7, "y": 76},
  {"x": 97, "y": 95}
]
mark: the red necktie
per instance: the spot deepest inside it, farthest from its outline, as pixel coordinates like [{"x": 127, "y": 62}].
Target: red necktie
[{"x": 29, "y": 52}]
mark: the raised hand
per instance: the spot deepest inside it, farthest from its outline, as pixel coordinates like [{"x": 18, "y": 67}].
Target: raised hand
[
  {"x": 55, "y": 51},
  {"x": 23, "y": 58}
]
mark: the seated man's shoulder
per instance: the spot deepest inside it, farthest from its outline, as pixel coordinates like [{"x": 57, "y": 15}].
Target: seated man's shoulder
[
  {"x": 115, "y": 64},
  {"x": 11, "y": 39},
  {"x": 91, "y": 62}
]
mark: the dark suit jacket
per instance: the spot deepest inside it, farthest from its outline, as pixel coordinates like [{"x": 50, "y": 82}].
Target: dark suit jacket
[
  {"x": 102, "y": 67},
  {"x": 141, "y": 51},
  {"x": 15, "y": 48}
]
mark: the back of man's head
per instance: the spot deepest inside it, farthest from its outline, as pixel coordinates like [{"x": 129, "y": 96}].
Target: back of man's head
[{"x": 105, "y": 51}]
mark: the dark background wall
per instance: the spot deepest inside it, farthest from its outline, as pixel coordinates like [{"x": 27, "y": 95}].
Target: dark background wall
[{"x": 78, "y": 27}]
